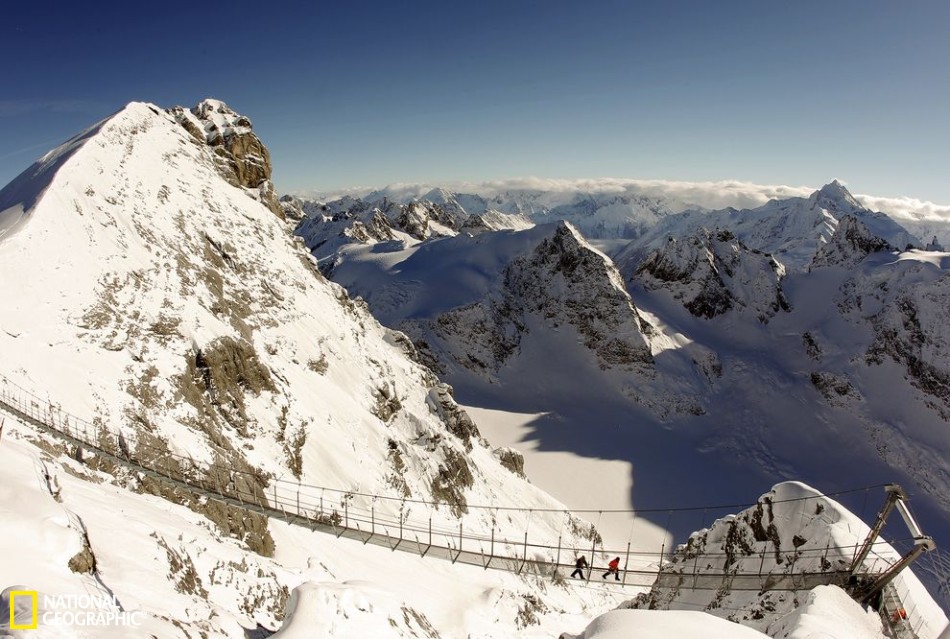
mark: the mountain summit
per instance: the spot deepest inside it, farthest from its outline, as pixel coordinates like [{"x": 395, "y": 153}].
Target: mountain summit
[{"x": 150, "y": 289}]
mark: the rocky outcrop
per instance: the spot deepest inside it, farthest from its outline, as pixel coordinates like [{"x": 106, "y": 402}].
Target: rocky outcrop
[
  {"x": 240, "y": 155},
  {"x": 442, "y": 402},
  {"x": 851, "y": 243},
  {"x": 792, "y": 531},
  {"x": 562, "y": 282},
  {"x": 913, "y": 332},
  {"x": 712, "y": 273},
  {"x": 292, "y": 209}
]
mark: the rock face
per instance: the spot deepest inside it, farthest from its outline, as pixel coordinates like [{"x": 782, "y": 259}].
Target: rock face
[
  {"x": 908, "y": 311},
  {"x": 561, "y": 283},
  {"x": 242, "y": 158},
  {"x": 712, "y": 273},
  {"x": 793, "y": 529},
  {"x": 851, "y": 243}
]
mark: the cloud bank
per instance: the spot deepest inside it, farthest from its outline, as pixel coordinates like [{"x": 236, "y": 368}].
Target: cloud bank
[{"x": 677, "y": 195}]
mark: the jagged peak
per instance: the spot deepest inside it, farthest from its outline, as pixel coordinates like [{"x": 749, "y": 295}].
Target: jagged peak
[
  {"x": 851, "y": 243},
  {"x": 852, "y": 230},
  {"x": 838, "y": 196},
  {"x": 439, "y": 195},
  {"x": 566, "y": 229},
  {"x": 218, "y": 120}
]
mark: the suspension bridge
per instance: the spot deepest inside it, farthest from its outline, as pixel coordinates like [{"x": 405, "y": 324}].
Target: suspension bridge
[{"x": 354, "y": 515}]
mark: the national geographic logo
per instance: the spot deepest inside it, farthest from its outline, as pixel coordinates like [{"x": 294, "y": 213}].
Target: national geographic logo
[
  {"x": 23, "y": 609},
  {"x": 28, "y": 610}
]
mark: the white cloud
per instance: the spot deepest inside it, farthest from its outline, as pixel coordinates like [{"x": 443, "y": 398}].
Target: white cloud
[
  {"x": 907, "y": 208},
  {"x": 678, "y": 195}
]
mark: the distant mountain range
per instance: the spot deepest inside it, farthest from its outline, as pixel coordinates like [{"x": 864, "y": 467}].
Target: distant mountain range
[{"x": 610, "y": 207}]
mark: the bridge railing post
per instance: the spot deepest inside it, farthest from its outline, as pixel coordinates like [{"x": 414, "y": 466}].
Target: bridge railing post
[
  {"x": 459, "y": 553},
  {"x": 402, "y": 510},
  {"x": 524, "y": 556},
  {"x": 626, "y": 563},
  {"x": 593, "y": 548}
]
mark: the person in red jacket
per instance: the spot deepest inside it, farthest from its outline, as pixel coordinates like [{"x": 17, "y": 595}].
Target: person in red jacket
[{"x": 613, "y": 567}]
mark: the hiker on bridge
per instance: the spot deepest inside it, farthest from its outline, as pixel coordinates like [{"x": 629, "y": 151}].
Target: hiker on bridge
[
  {"x": 579, "y": 566},
  {"x": 613, "y": 568}
]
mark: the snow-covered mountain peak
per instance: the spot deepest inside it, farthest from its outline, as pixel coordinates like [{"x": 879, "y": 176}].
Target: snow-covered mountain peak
[
  {"x": 791, "y": 230},
  {"x": 713, "y": 272},
  {"x": 148, "y": 293},
  {"x": 220, "y": 120},
  {"x": 570, "y": 241},
  {"x": 837, "y": 197},
  {"x": 567, "y": 253},
  {"x": 852, "y": 242},
  {"x": 439, "y": 196}
]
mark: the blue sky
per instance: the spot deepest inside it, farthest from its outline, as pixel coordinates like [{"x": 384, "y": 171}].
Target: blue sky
[{"x": 366, "y": 94}]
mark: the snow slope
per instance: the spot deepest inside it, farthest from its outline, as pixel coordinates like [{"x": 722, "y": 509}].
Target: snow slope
[
  {"x": 149, "y": 289},
  {"x": 183, "y": 578}
]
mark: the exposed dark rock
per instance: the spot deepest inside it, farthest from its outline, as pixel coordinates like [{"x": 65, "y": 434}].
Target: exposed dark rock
[
  {"x": 851, "y": 243},
  {"x": 239, "y": 154},
  {"x": 449, "y": 484},
  {"x": 510, "y": 459},
  {"x": 456, "y": 420},
  {"x": 713, "y": 273}
]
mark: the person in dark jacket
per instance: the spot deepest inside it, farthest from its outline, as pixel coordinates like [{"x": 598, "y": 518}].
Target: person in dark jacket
[
  {"x": 613, "y": 567},
  {"x": 579, "y": 566}
]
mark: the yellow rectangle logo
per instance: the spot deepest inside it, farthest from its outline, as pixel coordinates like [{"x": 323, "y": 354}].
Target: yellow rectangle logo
[{"x": 34, "y": 619}]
